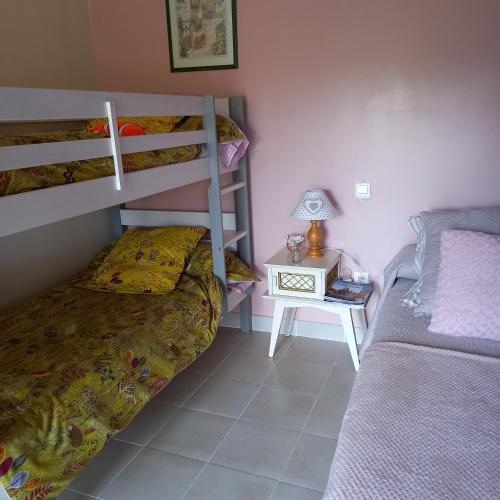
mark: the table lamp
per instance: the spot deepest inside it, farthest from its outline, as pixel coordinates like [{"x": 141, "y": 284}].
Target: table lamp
[{"x": 314, "y": 206}]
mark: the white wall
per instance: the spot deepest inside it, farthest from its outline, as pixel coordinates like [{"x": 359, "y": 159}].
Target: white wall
[
  {"x": 35, "y": 260},
  {"x": 47, "y": 44},
  {"x": 404, "y": 94}
]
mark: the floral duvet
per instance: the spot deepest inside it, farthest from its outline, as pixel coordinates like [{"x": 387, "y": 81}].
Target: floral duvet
[
  {"x": 232, "y": 146},
  {"x": 77, "y": 365},
  {"x": 31, "y": 178}
]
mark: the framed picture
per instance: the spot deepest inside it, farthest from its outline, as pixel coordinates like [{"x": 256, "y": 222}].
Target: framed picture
[{"x": 202, "y": 34}]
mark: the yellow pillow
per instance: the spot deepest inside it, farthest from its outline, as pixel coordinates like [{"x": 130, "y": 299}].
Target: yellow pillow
[
  {"x": 201, "y": 264},
  {"x": 85, "y": 278},
  {"x": 147, "y": 260}
]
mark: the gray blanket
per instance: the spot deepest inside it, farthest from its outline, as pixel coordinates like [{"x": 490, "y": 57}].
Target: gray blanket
[
  {"x": 401, "y": 266},
  {"x": 422, "y": 423}
]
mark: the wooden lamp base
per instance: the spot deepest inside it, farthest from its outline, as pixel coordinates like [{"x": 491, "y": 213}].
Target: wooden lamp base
[{"x": 314, "y": 237}]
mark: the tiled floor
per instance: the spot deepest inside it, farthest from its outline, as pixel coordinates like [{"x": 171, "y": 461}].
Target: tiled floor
[{"x": 236, "y": 425}]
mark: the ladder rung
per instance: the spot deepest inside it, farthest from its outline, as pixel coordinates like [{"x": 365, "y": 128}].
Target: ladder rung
[
  {"x": 231, "y": 237},
  {"x": 234, "y": 298},
  {"x": 232, "y": 187}
]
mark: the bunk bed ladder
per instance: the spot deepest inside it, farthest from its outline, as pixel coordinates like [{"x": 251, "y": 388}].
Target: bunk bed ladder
[
  {"x": 240, "y": 190},
  {"x": 242, "y": 209}
]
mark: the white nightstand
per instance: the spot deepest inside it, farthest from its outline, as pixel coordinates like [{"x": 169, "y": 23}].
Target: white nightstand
[{"x": 303, "y": 285}]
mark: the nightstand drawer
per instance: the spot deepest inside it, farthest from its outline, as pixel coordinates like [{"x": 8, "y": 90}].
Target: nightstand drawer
[
  {"x": 293, "y": 282},
  {"x": 296, "y": 283},
  {"x": 306, "y": 279}
]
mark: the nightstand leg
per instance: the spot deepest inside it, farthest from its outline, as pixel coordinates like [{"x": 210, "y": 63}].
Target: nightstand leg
[
  {"x": 289, "y": 320},
  {"x": 363, "y": 321},
  {"x": 350, "y": 336},
  {"x": 279, "y": 309}
]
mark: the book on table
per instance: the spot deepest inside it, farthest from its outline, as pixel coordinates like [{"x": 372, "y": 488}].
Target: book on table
[{"x": 348, "y": 292}]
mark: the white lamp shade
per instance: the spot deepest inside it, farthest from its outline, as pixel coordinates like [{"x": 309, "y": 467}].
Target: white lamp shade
[{"x": 314, "y": 205}]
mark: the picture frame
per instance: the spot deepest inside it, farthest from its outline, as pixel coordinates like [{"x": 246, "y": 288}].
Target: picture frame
[{"x": 202, "y": 35}]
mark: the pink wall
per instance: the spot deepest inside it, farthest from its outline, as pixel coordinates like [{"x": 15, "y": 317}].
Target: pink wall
[{"x": 403, "y": 94}]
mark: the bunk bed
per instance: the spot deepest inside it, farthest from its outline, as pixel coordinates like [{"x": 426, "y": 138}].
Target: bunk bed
[
  {"x": 133, "y": 355},
  {"x": 32, "y": 209}
]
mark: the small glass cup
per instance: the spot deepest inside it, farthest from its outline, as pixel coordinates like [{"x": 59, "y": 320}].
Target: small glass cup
[{"x": 294, "y": 243}]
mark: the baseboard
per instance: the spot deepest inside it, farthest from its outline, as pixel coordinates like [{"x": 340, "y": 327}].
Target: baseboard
[{"x": 301, "y": 328}]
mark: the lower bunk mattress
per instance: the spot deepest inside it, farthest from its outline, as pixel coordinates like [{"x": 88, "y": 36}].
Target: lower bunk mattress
[
  {"x": 77, "y": 365},
  {"x": 423, "y": 423}
]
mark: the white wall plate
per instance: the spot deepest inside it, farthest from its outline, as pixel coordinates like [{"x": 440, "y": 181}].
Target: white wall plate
[{"x": 362, "y": 190}]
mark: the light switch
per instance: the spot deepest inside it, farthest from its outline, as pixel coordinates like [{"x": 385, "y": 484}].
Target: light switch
[{"x": 362, "y": 191}]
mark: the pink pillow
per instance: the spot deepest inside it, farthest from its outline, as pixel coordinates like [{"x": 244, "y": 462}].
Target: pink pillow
[
  {"x": 467, "y": 302},
  {"x": 231, "y": 152}
]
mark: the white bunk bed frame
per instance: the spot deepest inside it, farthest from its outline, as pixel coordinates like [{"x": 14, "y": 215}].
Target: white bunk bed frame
[{"x": 23, "y": 211}]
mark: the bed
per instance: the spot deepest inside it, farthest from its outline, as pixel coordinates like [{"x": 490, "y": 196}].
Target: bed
[
  {"x": 423, "y": 420},
  {"x": 70, "y": 380},
  {"x": 194, "y": 150},
  {"x": 78, "y": 364}
]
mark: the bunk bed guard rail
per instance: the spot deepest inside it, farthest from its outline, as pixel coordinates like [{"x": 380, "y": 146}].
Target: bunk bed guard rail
[{"x": 32, "y": 209}]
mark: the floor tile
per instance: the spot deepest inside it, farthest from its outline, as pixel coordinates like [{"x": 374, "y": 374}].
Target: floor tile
[
  {"x": 209, "y": 360},
  {"x": 339, "y": 384},
  {"x": 310, "y": 462},
  {"x": 228, "y": 338},
  {"x": 219, "y": 483},
  {"x": 105, "y": 467},
  {"x": 246, "y": 367},
  {"x": 258, "y": 343},
  {"x": 282, "y": 408},
  {"x": 221, "y": 396},
  {"x": 182, "y": 387},
  {"x": 154, "y": 475},
  {"x": 344, "y": 359},
  {"x": 146, "y": 423},
  {"x": 286, "y": 491},
  {"x": 313, "y": 350},
  {"x": 192, "y": 434},
  {"x": 256, "y": 448},
  {"x": 73, "y": 495},
  {"x": 326, "y": 418},
  {"x": 298, "y": 376}
]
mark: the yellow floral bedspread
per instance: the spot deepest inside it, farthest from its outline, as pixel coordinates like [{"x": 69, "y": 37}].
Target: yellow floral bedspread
[
  {"x": 77, "y": 365},
  {"x": 31, "y": 178}
]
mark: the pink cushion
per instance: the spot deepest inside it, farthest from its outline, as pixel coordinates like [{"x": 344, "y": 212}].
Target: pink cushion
[
  {"x": 231, "y": 152},
  {"x": 467, "y": 302}
]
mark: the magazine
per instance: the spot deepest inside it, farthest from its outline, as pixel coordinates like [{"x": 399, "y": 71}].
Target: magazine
[{"x": 348, "y": 292}]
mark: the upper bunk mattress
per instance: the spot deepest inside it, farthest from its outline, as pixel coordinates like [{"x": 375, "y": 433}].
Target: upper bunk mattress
[
  {"x": 77, "y": 365},
  {"x": 422, "y": 423}
]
